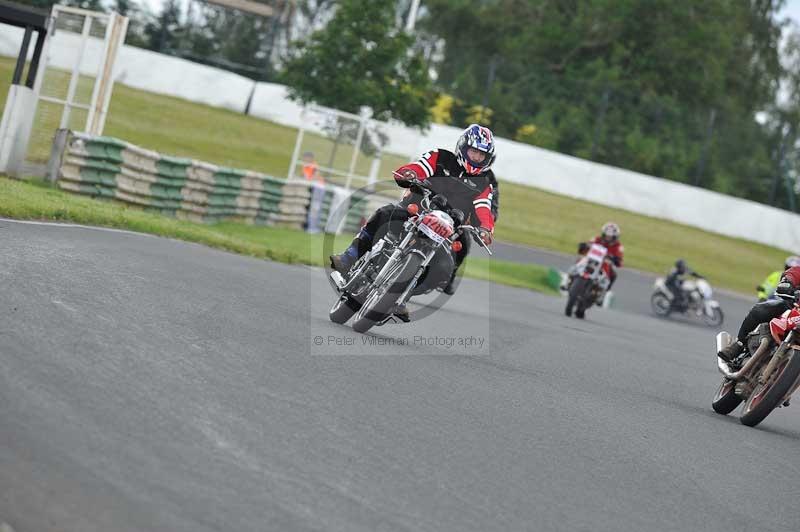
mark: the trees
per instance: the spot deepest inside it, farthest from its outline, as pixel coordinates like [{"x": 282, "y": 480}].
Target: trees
[
  {"x": 361, "y": 59},
  {"x": 230, "y": 39},
  {"x": 666, "y": 87},
  {"x": 94, "y": 5},
  {"x": 164, "y": 31}
]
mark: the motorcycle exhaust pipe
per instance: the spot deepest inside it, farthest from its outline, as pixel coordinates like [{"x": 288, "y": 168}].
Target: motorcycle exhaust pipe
[
  {"x": 742, "y": 373},
  {"x": 338, "y": 280},
  {"x": 723, "y": 340}
]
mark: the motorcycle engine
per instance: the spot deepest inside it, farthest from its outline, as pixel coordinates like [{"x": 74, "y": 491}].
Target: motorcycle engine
[
  {"x": 743, "y": 389},
  {"x": 754, "y": 338}
]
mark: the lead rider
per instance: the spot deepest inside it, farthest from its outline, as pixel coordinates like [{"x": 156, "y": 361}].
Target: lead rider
[{"x": 465, "y": 178}]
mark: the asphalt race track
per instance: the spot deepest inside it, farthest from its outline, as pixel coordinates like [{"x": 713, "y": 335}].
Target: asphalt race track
[{"x": 149, "y": 384}]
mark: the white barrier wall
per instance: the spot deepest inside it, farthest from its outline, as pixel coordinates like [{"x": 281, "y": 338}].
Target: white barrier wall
[
  {"x": 517, "y": 162},
  {"x": 271, "y": 102}
]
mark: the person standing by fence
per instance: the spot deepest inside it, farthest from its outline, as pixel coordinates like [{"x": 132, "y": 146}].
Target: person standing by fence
[{"x": 311, "y": 173}]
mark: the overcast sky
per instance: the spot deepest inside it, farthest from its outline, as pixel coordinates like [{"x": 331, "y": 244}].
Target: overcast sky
[{"x": 792, "y": 10}]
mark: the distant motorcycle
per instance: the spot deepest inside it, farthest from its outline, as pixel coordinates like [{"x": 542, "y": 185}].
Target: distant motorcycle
[
  {"x": 416, "y": 261},
  {"x": 768, "y": 372},
  {"x": 589, "y": 281},
  {"x": 698, "y": 298}
]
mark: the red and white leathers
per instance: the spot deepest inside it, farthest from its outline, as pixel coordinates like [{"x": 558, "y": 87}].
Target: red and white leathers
[
  {"x": 472, "y": 194},
  {"x": 615, "y": 249}
]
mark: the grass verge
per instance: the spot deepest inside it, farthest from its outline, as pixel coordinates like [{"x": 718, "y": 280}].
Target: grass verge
[
  {"x": 39, "y": 201},
  {"x": 530, "y": 276}
]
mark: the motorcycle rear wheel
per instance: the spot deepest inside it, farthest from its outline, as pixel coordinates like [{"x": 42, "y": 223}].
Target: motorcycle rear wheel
[
  {"x": 660, "y": 304},
  {"x": 766, "y": 397},
  {"x": 585, "y": 299},
  {"x": 382, "y": 299},
  {"x": 725, "y": 400}
]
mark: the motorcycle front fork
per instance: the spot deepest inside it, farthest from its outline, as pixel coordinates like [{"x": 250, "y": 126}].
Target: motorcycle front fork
[{"x": 405, "y": 295}]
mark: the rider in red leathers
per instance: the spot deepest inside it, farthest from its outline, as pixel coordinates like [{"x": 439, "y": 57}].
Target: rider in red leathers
[
  {"x": 464, "y": 177},
  {"x": 609, "y": 238}
]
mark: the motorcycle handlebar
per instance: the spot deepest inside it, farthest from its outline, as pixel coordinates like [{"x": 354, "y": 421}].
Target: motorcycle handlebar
[
  {"x": 428, "y": 192},
  {"x": 475, "y": 232},
  {"x": 412, "y": 181},
  {"x": 424, "y": 188}
]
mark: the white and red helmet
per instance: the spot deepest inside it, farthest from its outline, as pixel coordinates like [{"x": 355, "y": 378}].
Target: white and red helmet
[{"x": 610, "y": 232}]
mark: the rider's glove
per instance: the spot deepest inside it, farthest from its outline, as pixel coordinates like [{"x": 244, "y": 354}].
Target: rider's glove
[
  {"x": 583, "y": 247},
  {"x": 615, "y": 260},
  {"x": 405, "y": 178},
  {"x": 486, "y": 235},
  {"x": 785, "y": 290}
]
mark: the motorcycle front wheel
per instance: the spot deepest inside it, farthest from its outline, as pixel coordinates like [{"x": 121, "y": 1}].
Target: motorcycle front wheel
[
  {"x": 766, "y": 397},
  {"x": 716, "y": 318},
  {"x": 725, "y": 400},
  {"x": 382, "y": 299},
  {"x": 660, "y": 304},
  {"x": 343, "y": 309},
  {"x": 576, "y": 295}
]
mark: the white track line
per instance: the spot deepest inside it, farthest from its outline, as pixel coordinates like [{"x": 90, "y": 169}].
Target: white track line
[{"x": 79, "y": 226}]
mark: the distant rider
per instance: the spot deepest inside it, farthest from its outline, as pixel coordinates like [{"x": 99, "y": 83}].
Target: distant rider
[
  {"x": 608, "y": 238},
  {"x": 465, "y": 178},
  {"x": 674, "y": 283},
  {"x": 765, "y": 311},
  {"x": 767, "y": 287}
]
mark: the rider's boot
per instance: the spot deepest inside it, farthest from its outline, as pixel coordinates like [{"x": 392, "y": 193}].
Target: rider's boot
[
  {"x": 567, "y": 280},
  {"x": 733, "y": 350},
  {"x": 681, "y": 302},
  {"x": 345, "y": 260}
]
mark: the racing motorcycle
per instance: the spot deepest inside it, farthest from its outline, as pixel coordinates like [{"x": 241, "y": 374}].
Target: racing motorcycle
[
  {"x": 698, "y": 297},
  {"x": 768, "y": 372},
  {"x": 416, "y": 261},
  {"x": 589, "y": 282}
]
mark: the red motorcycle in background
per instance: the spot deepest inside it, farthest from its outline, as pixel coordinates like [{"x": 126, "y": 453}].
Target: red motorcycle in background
[
  {"x": 589, "y": 281},
  {"x": 766, "y": 375}
]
